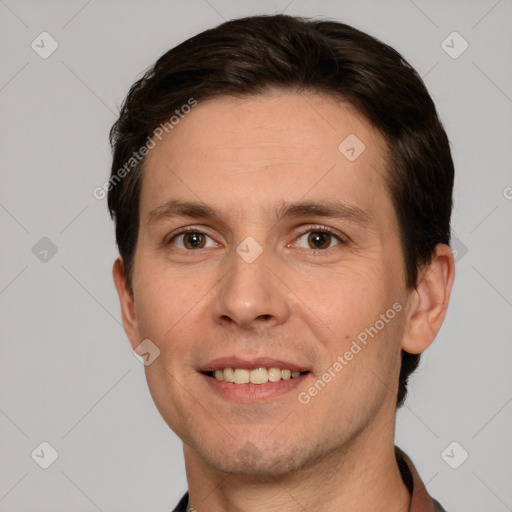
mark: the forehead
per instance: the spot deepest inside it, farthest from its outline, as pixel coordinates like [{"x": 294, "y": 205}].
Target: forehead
[{"x": 270, "y": 147}]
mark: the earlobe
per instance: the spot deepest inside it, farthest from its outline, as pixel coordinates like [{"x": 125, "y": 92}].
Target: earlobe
[
  {"x": 429, "y": 301},
  {"x": 126, "y": 300}
]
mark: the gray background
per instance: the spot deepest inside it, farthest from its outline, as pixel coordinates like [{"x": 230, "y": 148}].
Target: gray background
[{"x": 68, "y": 375}]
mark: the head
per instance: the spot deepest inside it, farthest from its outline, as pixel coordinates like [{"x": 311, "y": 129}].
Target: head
[{"x": 247, "y": 122}]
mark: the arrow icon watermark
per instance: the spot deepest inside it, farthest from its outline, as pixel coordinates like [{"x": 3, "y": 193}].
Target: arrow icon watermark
[{"x": 146, "y": 352}]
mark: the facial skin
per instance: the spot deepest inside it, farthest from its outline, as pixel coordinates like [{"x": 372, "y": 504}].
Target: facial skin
[{"x": 247, "y": 160}]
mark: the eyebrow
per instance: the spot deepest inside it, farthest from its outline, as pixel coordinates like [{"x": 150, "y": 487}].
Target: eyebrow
[
  {"x": 334, "y": 209},
  {"x": 176, "y": 208}
]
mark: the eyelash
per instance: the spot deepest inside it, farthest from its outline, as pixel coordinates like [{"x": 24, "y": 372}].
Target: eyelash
[
  {"x": 342, "y": 239},
  {"x": 184, "y": 231}
]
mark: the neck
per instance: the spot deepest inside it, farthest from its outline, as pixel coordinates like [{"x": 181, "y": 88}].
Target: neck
[{"x": 363, "y": 477}]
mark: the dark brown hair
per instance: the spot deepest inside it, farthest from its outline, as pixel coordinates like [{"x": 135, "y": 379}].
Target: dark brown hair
[{"x": 252, "y": 55}]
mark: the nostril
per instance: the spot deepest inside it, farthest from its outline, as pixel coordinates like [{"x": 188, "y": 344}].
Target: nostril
[{"x": 265, "y": 317}]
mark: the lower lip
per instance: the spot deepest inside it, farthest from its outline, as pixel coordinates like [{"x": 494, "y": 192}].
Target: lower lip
[{"x": 247, "y": 393}]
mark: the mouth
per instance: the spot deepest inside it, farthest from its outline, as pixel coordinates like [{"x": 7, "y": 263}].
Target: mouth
[
  {"x": 252, "y": 380},
  {"x": 258, "y": 376}
]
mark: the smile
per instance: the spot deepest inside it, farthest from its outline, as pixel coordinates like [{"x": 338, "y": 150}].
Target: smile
[{"x": 254, "y": 376}]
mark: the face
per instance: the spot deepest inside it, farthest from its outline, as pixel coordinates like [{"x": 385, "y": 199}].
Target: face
[{"x": 265, "y": 249}]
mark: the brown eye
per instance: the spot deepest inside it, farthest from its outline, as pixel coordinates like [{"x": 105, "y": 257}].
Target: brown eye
[
  {"x": 319, "y": 240},
  {"x": 190, "y": 240},
  {"x": 194, "y": 240}
]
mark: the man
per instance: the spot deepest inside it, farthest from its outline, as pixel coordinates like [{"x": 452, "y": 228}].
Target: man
[{"x": 282, "y": 189}]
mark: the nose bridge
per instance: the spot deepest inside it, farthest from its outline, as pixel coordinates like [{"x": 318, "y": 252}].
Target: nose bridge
[{"x": 249, "y": 294}]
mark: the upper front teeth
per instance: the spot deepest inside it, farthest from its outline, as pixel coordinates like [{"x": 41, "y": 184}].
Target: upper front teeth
[{"x": 256, "y": 376}]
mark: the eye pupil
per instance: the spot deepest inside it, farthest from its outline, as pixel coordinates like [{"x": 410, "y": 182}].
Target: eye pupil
[
  {"x": 194, "y": 240},
  {"x": 319, "y": 240}
]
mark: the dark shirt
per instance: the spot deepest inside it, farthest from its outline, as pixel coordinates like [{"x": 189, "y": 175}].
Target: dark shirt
[{"x": 420, "y": 501}]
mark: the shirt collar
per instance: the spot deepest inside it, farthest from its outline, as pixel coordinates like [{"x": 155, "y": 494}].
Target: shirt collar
[{"x": 420, "y": 499}]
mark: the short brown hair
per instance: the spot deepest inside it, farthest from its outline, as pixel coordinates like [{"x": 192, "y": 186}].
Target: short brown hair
[{"x": 251, "y": 55}]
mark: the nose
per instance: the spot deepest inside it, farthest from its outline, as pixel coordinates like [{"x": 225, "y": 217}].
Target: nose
[{"x": 250, "y": 295}]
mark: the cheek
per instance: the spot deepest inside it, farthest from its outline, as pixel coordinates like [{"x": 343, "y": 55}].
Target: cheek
[
  {"x": 163, "y": 301},
  {"x": 346, "y": 301},
  {"x": 358, "y": 317},
  {"x": 156, "y": 312}
]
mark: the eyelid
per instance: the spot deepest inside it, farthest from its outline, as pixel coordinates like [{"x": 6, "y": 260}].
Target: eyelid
[
  {"x": 187, "y": 229},
  {"x": 342, "y": 238}
]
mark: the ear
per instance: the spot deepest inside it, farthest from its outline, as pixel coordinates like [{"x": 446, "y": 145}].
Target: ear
[
  {"x": 428, "y": 302},
  {"x": 126, "y": 300}
]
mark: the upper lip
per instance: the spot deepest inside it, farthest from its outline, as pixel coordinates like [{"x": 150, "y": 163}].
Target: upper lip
[{"x": 251, "y": 364}]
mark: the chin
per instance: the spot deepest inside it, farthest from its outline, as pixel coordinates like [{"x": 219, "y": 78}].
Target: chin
[
  {"x": 255, "y": 459},
  {"x": 270, "y": 467}
]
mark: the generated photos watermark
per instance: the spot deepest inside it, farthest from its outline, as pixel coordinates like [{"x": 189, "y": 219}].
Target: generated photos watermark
[
  {"x": 305, "y": 397},
  {"x": 137, "y": 156}
]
